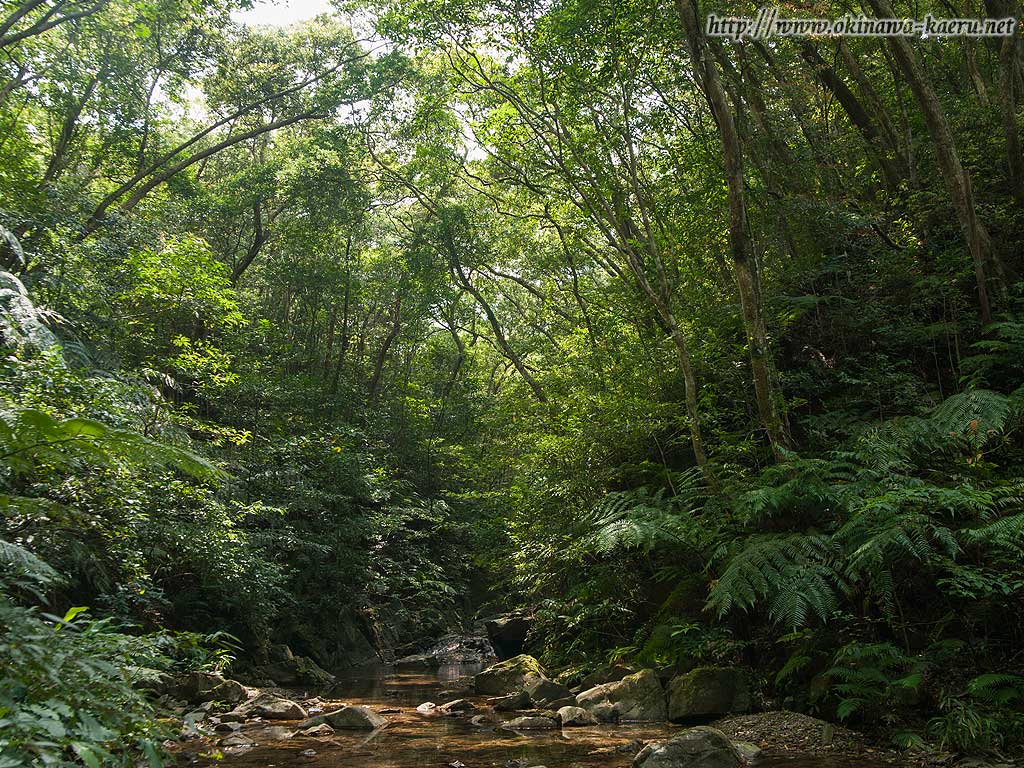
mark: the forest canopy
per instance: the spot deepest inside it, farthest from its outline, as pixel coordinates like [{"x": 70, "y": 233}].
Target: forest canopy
[{"x": 343, "y": 333}]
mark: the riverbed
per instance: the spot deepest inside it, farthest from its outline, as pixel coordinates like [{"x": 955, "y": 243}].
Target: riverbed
[{"x": 416, "y": 740}]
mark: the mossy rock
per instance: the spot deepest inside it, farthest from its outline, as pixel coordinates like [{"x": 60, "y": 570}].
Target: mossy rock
[
  {"x": 510, "y": 676},
  {"x": 707, "y": 692}
]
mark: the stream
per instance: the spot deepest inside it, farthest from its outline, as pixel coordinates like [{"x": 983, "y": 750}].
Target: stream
[{"x": 415, "y": 740}]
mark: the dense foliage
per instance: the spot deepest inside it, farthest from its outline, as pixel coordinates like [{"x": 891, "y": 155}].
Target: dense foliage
[{"x": 700, "y": 350}]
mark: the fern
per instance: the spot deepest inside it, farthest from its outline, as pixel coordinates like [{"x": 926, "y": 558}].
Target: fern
[
  {"x": 791, "y": 569},
  {"x": 639, "y": 519},
  {"x": 18, "y": 559},
  {"x": 30, "y": 438}
]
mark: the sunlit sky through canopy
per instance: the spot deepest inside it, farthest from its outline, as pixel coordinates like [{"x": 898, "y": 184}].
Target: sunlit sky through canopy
[{"x": 282, "y": 12}]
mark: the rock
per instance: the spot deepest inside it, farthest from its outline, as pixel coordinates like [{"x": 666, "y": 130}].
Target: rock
[
  {"x": 389, "y": 711},
  {"x": 572, "y": 717},
  {"x": 279, "y": 652},
  {"x": 197, "y": 687},
  {"x": 427, "y": 708},
  {"x": 545, "y": 694},
  {"x": 418, "y": 661},
  {"x": 456, "y": 764},
  {"x": 700, "y": 747},
  {"x": 481, "y": 721},
  {"x": 227, "y": 727},
  {"x": 511, "y": 703},
  {"x": 323, "y": 729},
  {"x": 609, "y": 674},
  {"x": 459, "y": 705},
  {"x": 707, "y": 692},
  {"x": 297, "y": 670},
  {"x": 509, "y": 676},
  {"x": 269, "y": 707},
  {"x": 748, "y": 751},
  {"x": 276, "y": 733},
  {"x": 308, "y": 753},
  {"x": 530, "y": 724},
  {"x": 637, "y": 697},
  {"x": 348, "y": 718},
  {"x": 508, "y": 634},
  {"x": 237, "y": 740}
]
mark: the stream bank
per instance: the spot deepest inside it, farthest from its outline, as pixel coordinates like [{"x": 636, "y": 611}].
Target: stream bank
[{"x": 472, "y": 736}]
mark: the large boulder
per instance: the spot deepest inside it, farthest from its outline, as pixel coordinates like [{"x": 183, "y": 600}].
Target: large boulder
[
  {"x": 608, "y": 674},
  {"x": 350, "y": 718},
  {"x": 507, "y": 677},
  {"x": 700, "y": 747},
  {"x": 545, "y": 694},
  {"x": 707, "y": 692},
  {"x": 295, "y": 670},
  {"x": 269, "y": 707},
  {"x": 199, "y": 687},
  {"x": 637, "y": 697},
  {"x": 508, "y": 634},
  {"x": 572, "y": 717}
]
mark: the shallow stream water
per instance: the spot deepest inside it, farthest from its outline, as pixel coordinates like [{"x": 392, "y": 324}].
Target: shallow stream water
[{"x": 415, "y": 740}]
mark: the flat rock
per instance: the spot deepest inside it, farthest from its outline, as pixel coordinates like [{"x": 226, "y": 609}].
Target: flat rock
[
  {"x": 700, "y": 747},
  {"x": 348, "y": 718},
  {"x": 535, "y": 723},
  {"x": 237, "y": 740},
  {"x": 323, "y": 729},
  {"x": 458, "y": 705},
  {"x": 269, "y": 707}
]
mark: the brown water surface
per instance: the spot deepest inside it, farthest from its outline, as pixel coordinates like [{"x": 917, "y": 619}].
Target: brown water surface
[{"x": 415, "y": 740}]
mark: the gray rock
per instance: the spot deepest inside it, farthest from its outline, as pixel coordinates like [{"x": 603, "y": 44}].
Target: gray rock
[
  {"x": 530, "y": 724},
  {"x": 269, "y": 707},
  {"x": 458, "y": 705},
  {"x": 427, "y": 708},
  {"x": 509, "y": 676},
  {"x": 237, "y": 740},
  {"x": 706, "y": 692},
  {"x": 545, "y": 694},
  {"x": 348, "y": 718},
  {"x": 418, "y": 661},
  {"x": 572, "y": 717},
  {"x": 198, "y": 687},
  {"x": 297, "y": 670},
  {"x": 748, "y": 751},
  {"x": 638, "y": 697},
  {"x": 700, "y": 747},
  {"x": 512, "y": 702},
  {"x": 323, "y": 729}
]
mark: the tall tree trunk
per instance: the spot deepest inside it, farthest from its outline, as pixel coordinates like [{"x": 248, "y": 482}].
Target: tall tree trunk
[
  {"x": 741, "y": 245},
  {"x": 382, "y": 355},
  {"x": 957, "y": 178},
  {"x": 858, "y": 115}
]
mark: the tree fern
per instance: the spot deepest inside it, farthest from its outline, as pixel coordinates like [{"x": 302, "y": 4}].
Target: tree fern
[
  {"x": 644, "y": 520},
  {"x": 791, "y": 570}
]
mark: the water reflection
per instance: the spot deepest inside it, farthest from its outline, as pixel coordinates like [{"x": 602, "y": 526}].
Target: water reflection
[{"x": 416, "y": 740}]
